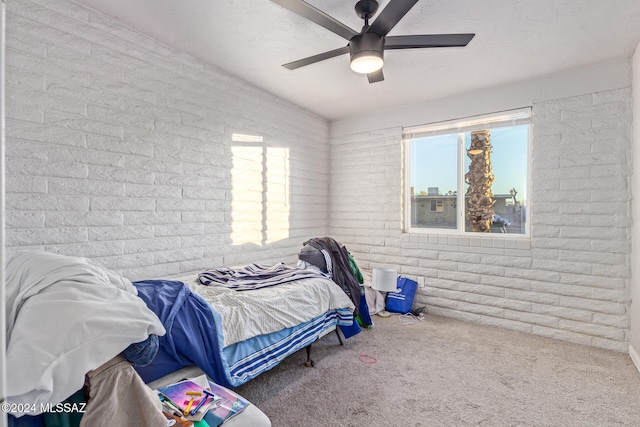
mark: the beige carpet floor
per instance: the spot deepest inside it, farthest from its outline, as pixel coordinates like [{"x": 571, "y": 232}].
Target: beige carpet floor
[{"x": 444, "y": 372}]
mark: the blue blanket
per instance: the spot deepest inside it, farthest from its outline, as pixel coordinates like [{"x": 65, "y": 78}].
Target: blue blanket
[{"x": 193, "y": 336}]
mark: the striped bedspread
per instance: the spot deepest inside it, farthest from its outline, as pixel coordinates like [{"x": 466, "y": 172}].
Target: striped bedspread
[
  {"x": 271, "y": 309},
  {"x": 250, "y": 358},
  {"x": 255, "y": 276}
]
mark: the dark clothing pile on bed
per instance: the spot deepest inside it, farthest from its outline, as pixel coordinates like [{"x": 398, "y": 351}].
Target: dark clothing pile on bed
[
  {"x": 340, "y": 269},
  {"x": 314, "y": 256}
]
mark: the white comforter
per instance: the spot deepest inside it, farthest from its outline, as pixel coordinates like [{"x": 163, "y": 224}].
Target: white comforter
[
  {"x": 247, "y": 314},
  {"x": 65, "y": 317}
]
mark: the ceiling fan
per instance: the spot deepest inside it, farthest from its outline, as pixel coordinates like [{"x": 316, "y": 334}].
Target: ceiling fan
[{"x": 366, "y": 48}]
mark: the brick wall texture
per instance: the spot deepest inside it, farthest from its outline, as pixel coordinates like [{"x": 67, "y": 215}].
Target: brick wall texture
[
  {"x": 121, "y": 149},
  {"x": 569, "y": 281}
]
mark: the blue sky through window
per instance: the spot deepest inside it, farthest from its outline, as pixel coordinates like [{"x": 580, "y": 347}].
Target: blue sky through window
[{"x": 434, "y": 161}]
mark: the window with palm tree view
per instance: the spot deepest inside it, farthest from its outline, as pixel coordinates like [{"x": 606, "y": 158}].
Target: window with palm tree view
[{"x": 468, "y": 175}]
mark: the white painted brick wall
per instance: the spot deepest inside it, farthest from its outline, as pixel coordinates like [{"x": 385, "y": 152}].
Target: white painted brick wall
[
  {"x": 119, "y": 148},
  {"x": 117, "y": 151},
  {"x": 569, "y": 281}
]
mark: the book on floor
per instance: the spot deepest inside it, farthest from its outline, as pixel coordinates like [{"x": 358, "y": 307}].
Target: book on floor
[
  {"x": 229, "y": 405},
  {"x": 188, "y": 399}
]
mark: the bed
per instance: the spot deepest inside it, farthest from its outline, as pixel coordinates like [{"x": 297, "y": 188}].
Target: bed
[
  {"x": 234, "y": 336},
  {"x": 67, "y": 316}
]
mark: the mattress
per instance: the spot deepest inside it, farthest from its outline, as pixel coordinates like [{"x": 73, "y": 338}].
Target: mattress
[{"x": 247, "y": 314}]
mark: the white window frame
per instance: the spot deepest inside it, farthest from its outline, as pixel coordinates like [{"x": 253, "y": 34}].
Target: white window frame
[{"x": 519, "y": 116}]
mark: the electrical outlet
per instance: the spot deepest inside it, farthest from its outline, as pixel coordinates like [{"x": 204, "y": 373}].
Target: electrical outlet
[{"x": 421, "y": 282}]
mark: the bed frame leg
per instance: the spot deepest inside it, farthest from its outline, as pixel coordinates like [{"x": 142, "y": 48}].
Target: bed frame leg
[{"x": 309, "y": 363}]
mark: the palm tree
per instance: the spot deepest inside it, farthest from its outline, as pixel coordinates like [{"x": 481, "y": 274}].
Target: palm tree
[{"x": 479, "y": 209}]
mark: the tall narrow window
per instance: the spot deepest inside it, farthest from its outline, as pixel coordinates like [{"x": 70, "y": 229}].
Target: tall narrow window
[{"x": 469, "y": 175}]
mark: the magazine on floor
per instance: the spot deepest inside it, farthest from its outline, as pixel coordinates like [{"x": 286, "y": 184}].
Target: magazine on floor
[
  {"x": 183, "y": 398},
  {"x": 187, "y": 399},
  {"x": 229, "y": 405}
]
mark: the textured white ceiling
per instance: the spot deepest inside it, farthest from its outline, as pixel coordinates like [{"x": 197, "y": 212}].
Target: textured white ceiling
[{"x": 515, "y": 40}]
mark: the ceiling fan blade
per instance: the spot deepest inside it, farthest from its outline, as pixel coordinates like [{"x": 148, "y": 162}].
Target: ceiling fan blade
[
  {"x": 427, "y": 40},
  {"x": 309, "y": 12},
  {"x": 316, "y": 58},
  {"x": 390, "y": 16},
  {"x": 376, "y": 76}
]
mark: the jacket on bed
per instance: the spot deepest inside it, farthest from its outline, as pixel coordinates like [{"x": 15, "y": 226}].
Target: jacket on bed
[{"x": 341, "y": 272}]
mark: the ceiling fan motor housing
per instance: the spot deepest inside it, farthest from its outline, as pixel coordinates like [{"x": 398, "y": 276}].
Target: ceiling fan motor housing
[{"x": 366, "y": 45}]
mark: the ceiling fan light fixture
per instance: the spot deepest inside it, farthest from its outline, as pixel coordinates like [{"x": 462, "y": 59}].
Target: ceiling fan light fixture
[
  {"x": 367, "y": 62},
  {"x": 366, "y": 53}
]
